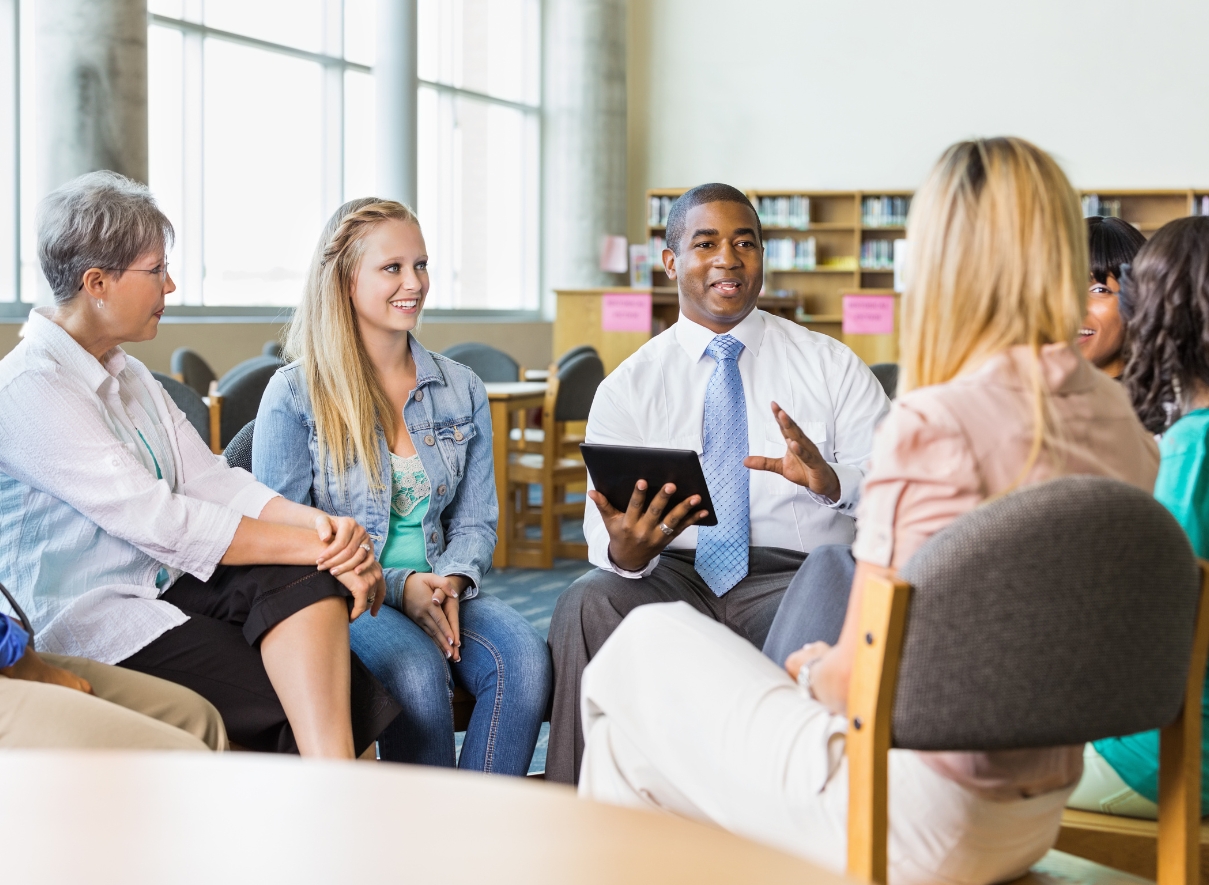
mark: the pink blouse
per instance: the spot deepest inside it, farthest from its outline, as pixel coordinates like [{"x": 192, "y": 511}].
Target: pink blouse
[{"x": 945, "y": 449}]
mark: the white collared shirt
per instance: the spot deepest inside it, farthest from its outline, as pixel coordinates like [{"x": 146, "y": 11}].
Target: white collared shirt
[
  {"x": 85, "y": 525},
  {"x": 657, "y": 398}
]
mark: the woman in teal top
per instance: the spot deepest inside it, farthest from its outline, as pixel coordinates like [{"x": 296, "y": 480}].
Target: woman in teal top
[
  {"x": 366, "y": 421},
  {"x": 1167, "y": 375}
]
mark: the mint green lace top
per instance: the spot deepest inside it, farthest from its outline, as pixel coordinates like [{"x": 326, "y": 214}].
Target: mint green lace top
[{"x": 409, "y": 495}]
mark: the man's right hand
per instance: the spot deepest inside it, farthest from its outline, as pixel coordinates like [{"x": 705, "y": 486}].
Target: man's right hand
[
  {"x": 32, "y": 668},
  {"x": 637, "y": 536}
]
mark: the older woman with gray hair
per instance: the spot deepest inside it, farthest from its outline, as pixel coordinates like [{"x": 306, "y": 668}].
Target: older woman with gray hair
[{"x": 127, "y": 541}]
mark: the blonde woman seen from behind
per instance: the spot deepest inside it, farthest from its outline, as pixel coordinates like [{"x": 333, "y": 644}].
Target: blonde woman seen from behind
[
  {"x": 994, "y": 395},
  {"x": 367, "y": 424}
]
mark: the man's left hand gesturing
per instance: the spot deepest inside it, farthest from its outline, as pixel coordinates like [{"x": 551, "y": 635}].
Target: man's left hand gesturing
[{"x": 802, "y": 463}]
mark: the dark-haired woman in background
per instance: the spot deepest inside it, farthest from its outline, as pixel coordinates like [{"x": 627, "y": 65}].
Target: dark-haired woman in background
[
  {"x": 1167, "y": 376},
  {"x": 1112, "y": 242}
]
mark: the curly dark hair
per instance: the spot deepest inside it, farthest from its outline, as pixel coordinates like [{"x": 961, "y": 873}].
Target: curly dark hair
[{"x": 1168, "y": 285}]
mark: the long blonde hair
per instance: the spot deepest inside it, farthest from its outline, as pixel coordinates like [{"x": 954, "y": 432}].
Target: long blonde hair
[
  {"x": 347, "y": 398},
  {"x": 998, "y": 257}
]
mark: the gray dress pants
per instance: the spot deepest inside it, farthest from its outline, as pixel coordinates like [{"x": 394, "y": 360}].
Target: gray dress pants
[
  {"x": 815, "y": 604},
  {"x": 589, "y": 611}
]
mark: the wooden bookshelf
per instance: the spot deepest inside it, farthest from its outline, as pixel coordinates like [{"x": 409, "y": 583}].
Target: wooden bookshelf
[{"x": 813, "y": 297}]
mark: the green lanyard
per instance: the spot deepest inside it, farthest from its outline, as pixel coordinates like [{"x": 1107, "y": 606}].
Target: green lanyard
[{"x": 154, "y": 460}]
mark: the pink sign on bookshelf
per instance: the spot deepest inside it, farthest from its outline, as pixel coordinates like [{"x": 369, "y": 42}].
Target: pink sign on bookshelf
[
  {"x": 625, "y": 312},
  {"x": 868, "y": 314}
]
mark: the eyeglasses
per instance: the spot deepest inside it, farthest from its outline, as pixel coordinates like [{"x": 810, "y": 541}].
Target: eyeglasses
[{"x": 161, "y": 270}]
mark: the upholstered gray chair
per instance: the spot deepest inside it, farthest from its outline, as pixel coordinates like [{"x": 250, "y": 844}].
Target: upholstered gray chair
[
  {"x": 271, "y": 348},
  {"x": 887, "y": 377},
  {"x": 239, "y": 450},
  {"x": 490, "y": 364},
  {"x": 188, "y": 401},
  {"x": 1059, "y": 614},
  {"x": 189, "y": 368},
  {"x": 574, "y": 352},
  {"x": 241, "y": 390}
]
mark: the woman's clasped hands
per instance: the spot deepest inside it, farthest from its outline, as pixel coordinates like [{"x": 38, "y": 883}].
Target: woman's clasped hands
[
  {"x": 432, "y": 602},
  {"x": 349, "y": 556}
]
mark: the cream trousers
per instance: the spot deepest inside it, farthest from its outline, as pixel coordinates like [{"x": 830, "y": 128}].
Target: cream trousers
[
  {"x": 127, "y": 711},
  {"x": 684, "y": 715}
]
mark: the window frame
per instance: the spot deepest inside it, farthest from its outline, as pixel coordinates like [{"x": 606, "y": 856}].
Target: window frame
[
  {"x": 334, "y": 68},
  {"x": 16, "y": 311}
]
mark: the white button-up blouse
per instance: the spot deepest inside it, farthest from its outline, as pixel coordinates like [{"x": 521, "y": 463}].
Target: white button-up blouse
[{"x": 85, "y": 525}]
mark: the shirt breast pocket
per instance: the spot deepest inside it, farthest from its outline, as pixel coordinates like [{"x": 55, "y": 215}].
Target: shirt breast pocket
[{"x": 764, "y": 482}]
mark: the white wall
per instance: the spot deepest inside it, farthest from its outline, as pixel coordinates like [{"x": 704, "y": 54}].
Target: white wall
[{"x": 866, "y": 93}]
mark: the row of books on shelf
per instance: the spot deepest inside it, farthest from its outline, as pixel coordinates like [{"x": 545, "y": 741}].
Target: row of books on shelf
[
  {"x": 877, "y": 254},
  {"x": 786, "y": 253},
  {"x": 1094, "y": 205},
  {"x": 784, "y": 212},
  {"x": 884, "y": 211},
  {"x": 658, "y": 209}
]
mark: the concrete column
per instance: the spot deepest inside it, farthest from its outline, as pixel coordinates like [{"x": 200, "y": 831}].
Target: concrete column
[
  {"x": 395, "y": 85},
  {"x": 91, "y": 63},
  {"x": 583, "y": 139}
]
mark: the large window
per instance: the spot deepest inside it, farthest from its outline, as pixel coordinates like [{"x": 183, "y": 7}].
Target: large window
[
  {"x": 260, "y": 124},
  {"x": 478, "y": 157},
  {"x": 262, "y": 120}
]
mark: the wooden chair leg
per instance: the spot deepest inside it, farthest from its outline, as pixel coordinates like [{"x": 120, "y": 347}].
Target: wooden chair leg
[
  {"x": 870, "y": 705},
  {"x": 215, "y": 419},
  {"x": 1180, "y": 767}
]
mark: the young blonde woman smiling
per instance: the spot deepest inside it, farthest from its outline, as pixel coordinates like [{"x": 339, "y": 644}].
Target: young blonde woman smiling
[{"x": 368, "y": 424}]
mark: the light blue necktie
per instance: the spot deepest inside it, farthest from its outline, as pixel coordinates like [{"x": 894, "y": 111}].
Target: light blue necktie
[{"x": 722, "y": 549}]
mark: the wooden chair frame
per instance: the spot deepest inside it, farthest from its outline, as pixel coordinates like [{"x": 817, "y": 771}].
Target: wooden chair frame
[
  {"x": 883, "y": 618},
  {"x": 215, "y": 399},
  {"x": 554, "y": 478}
]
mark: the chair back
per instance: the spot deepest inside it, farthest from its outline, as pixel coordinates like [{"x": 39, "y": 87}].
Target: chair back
[
  {"x": 192, "y": 370},
  {"x": 1059, "y": 614},
  {"x": 887, "y": 377},
  {"x": 241, "y": 390},
  {"x": 490, "y": 364},
  {"x": 1065, "y": 612},
  {"x": 239, "y": 450},
  {"x": 578, "y": 379},
  {"x": 271, "y": 348},
  {"x": 574, "y": 352},
  {"x": 188, "y": 401}
]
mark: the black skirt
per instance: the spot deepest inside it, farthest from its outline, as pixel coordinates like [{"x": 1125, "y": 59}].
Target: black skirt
[{"x": 216, "y": 652}]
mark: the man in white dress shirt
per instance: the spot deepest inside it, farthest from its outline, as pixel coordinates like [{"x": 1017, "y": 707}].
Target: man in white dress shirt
[{"x": 723, "y": 381}]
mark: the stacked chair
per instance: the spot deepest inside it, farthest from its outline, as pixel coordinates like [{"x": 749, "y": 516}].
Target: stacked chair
[
  {"x": 553, "y": 467},
  {"x": 490, "y": 364},
  {"x": 231, "y": 401},
  {"x": 1066, "y": 612},
  {"x": 887, "y": 377}
]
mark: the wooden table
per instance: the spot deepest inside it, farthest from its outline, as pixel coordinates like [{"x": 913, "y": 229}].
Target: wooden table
[
  {"x": 507, "y": 397},
  {"x": 142, "y": 817}
]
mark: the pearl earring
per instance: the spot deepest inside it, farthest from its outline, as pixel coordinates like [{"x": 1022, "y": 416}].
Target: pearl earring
[{"x": 100, "y": 303}]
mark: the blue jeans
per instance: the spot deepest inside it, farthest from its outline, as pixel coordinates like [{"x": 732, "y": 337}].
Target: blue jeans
[{"x": 505, "y": 665}]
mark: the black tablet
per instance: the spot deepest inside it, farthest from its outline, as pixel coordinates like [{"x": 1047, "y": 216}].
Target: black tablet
[{"x": 616, "y": 469}]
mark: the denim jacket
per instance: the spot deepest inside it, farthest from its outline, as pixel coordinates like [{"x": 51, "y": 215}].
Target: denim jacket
[{"x": 449, "y": 420}]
